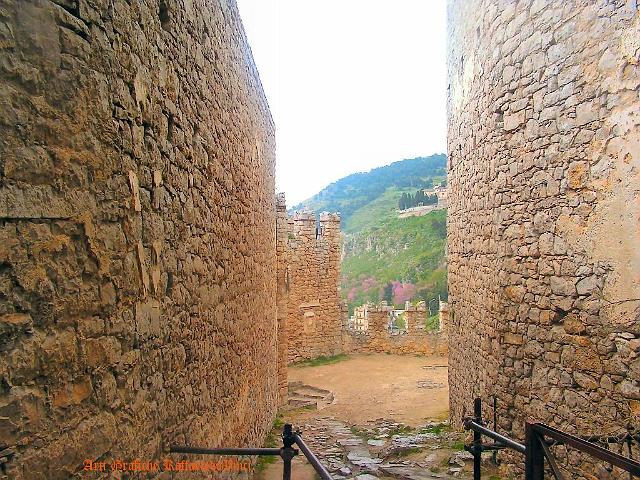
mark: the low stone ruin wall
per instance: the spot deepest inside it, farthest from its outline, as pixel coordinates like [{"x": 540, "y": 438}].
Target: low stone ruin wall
[{"x": 378, "y": 339}]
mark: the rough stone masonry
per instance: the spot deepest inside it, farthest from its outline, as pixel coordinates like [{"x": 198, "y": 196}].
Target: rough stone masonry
[
  {"x": 376, "y": 338},
  {"x": 313, "y": 320},
  {"x": 137, "y": 233},
  {"x": 544, "y": 212}
]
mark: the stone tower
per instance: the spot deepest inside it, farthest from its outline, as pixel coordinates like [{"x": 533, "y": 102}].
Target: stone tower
[
  {"x": 544, "y": 211},
  {"x": 314, "y": 322},
  {"x": 137, "y": 233}
]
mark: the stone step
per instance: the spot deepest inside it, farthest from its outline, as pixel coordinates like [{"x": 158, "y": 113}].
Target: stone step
[
  {"x": 312, "y": 393},
  {"x": 302, "y": 395}
]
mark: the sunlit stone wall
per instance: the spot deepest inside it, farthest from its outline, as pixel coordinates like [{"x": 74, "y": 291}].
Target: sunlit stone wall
[
  {"x": 137, "y": 233},
  {"x": 544, "y": 212}
]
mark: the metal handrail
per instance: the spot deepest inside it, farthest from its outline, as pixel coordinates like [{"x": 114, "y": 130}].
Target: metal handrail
[
  {"x": 286, "y": 452},
  {"x": 536, "y": 446},
  {"x": 501, "y": 440},
  {"x": 592, "y": 449},
  {"x": 225, "y": 451},
  {"x": 313, "y": 460}
]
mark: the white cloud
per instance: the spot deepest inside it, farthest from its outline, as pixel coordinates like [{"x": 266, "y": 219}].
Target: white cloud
[{"x": 352, "y": 84}]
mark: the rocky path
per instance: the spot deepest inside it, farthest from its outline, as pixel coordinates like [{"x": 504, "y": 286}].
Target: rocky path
[
  {"x": 388, "y": 423},
  {"x": 382, "y": 449}
]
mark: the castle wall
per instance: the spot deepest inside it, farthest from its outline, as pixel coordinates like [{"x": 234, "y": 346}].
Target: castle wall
[
  {"x": 544, "y": 212},
  {"x": 137, "y": 233},
  {"x": 377, "y": 338},
  {"x": 314, "y": 320},
  {"x": 282, "y": 294}
]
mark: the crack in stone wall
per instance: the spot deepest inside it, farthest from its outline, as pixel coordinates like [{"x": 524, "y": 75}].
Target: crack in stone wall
[
  {"x": 544, "y": 212},
  {"x": 137, "y": 233}
]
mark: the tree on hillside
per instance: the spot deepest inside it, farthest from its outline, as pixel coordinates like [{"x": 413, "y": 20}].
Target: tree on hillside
[
  {"x": 440, "y": 226},
  {"x": 404, "y": 201},
  {"x": 431, "y": 199},
  {"x": 388, "y": 293},
  {"x": 350, "y": 193}
]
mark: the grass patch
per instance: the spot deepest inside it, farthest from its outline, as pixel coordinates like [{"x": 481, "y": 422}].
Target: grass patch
[
  {"x": 400, "y": 430},
  {"x": 495, "y": 477},
  {"x": 432, "y": 324},
  {"x": 364, "y": 434},
  {"x": 409, "y": 451},
  {"x": 316, "y": 362},
  {"x": 459, "y": 445},
  {"x": 437, "y": 429},
  {"x": 273, "y": 440}
]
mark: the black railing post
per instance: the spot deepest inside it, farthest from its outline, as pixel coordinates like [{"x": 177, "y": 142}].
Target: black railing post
[
  {"x": 630, "y": 445},
  {"x": 287, "y": 452},
  {"x": 477, "y": 440},
  {"x": 534, "y": 454}
]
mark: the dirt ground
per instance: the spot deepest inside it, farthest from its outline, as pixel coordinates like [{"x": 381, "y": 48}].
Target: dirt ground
[
  {"x": 403, "y": 388},
  {"x": 368, "y": 389}
]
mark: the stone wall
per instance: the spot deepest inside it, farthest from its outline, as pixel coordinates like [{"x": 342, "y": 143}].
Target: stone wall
[
  {"x": 443, "y": 316},
  {"x": 377, "y": 338},
  {"x": 282, "y": 233},
  {"x": 544, "y": 212},
  {"x": 137, "y": 233},
  {"x": 314, "y": 321}
]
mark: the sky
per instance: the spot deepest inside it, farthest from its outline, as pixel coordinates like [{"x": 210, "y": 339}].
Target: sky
[{"x": 352, "y": 84}]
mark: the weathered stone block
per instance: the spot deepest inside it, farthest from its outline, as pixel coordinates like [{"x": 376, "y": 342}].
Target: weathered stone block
[
  {"x": 103, "y": 351},
  {"x": 515, "y": 292},
  {"x": 513, "y": 121},
  {"x": 562, "y": 286},
  {"x": 15, "y": 321},
  {"x": 573, "y": 325},
  {"x": 577, "y": 174},
  {"x": 586, "y": 113},
  {"x": 587, "y": 286},
  {"x": 73, "y": 393},
  {"x": 513, "y": 338}
]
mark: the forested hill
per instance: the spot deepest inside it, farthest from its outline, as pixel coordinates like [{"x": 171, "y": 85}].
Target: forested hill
[
  {"x": 354, "y": 191},
  {"x": 387, "y": 257}
]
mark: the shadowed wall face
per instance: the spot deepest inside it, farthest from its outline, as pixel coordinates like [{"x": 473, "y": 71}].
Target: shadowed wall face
[
  {"x": 544, "y": 212},
  {"x": 137, "y": 233}
]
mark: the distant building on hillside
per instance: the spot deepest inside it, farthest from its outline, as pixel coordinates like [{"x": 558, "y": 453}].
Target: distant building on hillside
[
  {"x": 440, "y": 191},
  {"x": 359, "y": 321},
  {"x": 442, "y": 194}
]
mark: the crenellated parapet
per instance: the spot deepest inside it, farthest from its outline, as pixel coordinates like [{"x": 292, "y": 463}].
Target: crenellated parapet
[
  {"x": 370, "y": 330},
  {"x": 315, "y": 313}
]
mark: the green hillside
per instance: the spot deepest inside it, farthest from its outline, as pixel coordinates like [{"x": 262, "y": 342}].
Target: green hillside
[
  {"x": 386, "y": 257},
  {"x": 353, "y": 192},
  {"x": 396, "y": 259}
]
